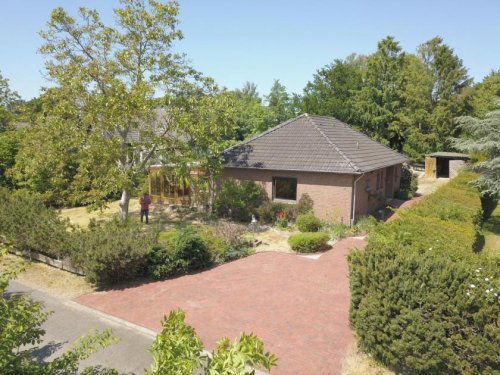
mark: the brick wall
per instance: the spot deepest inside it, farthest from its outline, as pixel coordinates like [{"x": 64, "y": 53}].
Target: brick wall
[{"x": 330, "y": 192}]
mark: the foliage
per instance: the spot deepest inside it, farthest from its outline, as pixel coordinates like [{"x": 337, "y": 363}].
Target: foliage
[
  {"x": 177, "y": 349},
  {"x": 268, "y": 211},
  {"x": 238, "y": 200},
  {"x": 408, "y": 184},
  {"x": 486, "y": 94},
  {"x": 112, "y": 252},
  {"x": 279, "y": 103},
  {"x": 338, "y": 230},
  {"x": 9, "y": 145},
  {"x": 483, "y": 137},
  {"x": 305, "y": 204},
  {"x": 183, "y": 250},
  {"x": 308, "y": 242},
  {"x": 421, "y": 300},
  {"x": 105, "y": 80},
  {"x": 332, "y": 90},
  {"x": 28, "y": 225},
  {"x": 21, "y": 323},
  {"x": 365, "y": 224},
  {"x": 308, "y": 223},
  {"x": 282, "y": 219},
  {"x": 7, "y": 99}
]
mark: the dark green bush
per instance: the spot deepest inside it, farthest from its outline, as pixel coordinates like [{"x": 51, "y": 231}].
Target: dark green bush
[
  {"x": 421, "y": 300},
  {"x": 190, "y": 252},
  {"x": 408, "y": 184},
  {"x": 305, "y": 204},
  {"x": 308, "y": 242},
  {"x": 308, "y": 223},
  {"x": 238, "y": 200},
  {"x": 112, "y": 252},
  {"x": 27, "y": 224},
  {"x": 180, "y": 251},
  {"x": 489, "y": 203}
]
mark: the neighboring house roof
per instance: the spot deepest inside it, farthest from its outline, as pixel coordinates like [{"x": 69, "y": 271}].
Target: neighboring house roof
[
  {"x": 449, "y": 155},
  {"x": 312, "y": 144}
]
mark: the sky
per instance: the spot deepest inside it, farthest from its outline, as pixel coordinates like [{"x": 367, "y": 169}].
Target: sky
[{"x": 259, "y": 41}]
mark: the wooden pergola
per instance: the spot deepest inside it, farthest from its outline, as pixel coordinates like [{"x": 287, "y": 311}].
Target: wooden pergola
[{"x": 167, "y": 188}]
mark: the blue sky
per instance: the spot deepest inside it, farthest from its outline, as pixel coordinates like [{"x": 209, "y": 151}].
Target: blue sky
[{"x": 242, "y": 40}]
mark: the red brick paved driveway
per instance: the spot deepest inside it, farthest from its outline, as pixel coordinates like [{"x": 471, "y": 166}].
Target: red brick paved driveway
[{"x": 298, "y": 306}]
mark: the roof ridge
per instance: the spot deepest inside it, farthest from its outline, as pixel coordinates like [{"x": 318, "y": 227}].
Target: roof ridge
[
  {"x": 349, "y": 161},
  {"x": 279, "y": 126}
]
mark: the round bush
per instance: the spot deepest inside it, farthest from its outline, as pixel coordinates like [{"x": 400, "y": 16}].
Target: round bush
[
  {"x": 308, "y": 242},
  {"x": 308, "y": 223}
]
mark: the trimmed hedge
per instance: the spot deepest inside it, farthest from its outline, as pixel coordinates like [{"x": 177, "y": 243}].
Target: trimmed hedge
[
  {"x": 308, "y": 242},
  {"x": 422, "y": 301},
  {"x": 308, "y": 223}
]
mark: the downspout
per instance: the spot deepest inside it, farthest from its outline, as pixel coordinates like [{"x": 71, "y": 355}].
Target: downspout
[{"x": 353, "y": 209}]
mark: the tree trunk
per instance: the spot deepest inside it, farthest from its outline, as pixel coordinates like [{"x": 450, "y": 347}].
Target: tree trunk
[{"x": 124, "y": 203}]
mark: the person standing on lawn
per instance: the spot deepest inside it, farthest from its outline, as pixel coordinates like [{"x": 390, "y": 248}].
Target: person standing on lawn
[{"x": 145, "y": 201}]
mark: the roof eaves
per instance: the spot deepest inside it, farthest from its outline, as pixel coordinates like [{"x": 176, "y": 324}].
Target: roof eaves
[
  {"x": 349, "y": 161},
  {"x": 297, "y": 170}
]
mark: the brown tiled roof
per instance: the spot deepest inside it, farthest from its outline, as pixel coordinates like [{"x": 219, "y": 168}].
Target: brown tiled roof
[{"x": 314, "y": 144}]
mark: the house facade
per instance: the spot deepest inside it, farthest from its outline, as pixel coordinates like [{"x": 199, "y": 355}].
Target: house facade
[{"x": 346, "y": 173}]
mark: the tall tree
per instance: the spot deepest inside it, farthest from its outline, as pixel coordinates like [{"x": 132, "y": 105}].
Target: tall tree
[
  {"x": 333, "y": 87},
  {"x": 449, "y": 95},
  {"x": 107, "y": 77},
  {"x": 248, "y": 92},
  {"x": 7, "y": 98},
  {"x": 279, "y": 103},
  {"x": 485, "y": 94},
  {"x": 482, "y": 136},
  {"x": 381, "y": 99}
]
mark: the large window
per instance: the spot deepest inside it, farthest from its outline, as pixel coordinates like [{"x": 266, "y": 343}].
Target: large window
[{"x": 285, "y": 188}]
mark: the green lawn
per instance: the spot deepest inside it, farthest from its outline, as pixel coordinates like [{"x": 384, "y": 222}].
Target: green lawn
[{"x": 491, "y": 230}]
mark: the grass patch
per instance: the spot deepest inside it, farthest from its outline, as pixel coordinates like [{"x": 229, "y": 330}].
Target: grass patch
[
  {"x": 60, "y": 283},
  {"x": 491, "y": 231}
]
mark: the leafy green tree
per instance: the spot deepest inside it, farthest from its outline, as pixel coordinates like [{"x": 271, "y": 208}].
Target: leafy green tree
[
  {"x": 248, "y": 92},
  {"x": 177, "y": 349},
  {"x": 9, "y": 145},
  {"x": 21, "y": 325},
  {"x": 449, "y": 95},
  {"x": 7, "y": 98},
  {"x": 106, "y": 77},
  {"x": 482, "y": 136},
  {"x": 332, "y": 90},
  {"x": 280, "y": 104},
  {"x": 380, "y": 101},
  {"x": 485, "y": 94}
]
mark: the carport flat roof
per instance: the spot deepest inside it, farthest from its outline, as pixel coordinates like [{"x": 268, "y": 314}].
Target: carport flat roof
[{"x": 449, "y": 155}]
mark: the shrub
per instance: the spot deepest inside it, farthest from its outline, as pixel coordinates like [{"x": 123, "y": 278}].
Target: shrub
[
  {"x": 338, "y": 231},
  {"x": 28, "y": 224},
  {"x": 268, "y": 211},
  {"x": 489, "y": 202},
  {"x": 190, "y": 252},
  {"x": 408, "y": 184},
  {"x": 365, "y": 224},
  {"x": 421, "y": 300},
  {"x": 282, "y": 219},
  {"x": 305, "y": 204},
  {"x": 238, "y": 200},
  {"x": 308, "y": 223},
  {"x": 112, "y": 252},
  {"x": 308, "y": 242},
  {"x": 179, "y": 251}
]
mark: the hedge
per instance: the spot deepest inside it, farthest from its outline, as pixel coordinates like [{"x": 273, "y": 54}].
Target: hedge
[
  {"x": 308, "y": 242},
  {"x": 422, "y": 300}
]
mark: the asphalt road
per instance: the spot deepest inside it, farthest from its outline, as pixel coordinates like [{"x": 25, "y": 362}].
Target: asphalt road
[{"x": 70, "y": 320}]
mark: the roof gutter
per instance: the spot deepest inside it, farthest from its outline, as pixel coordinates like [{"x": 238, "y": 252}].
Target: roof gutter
[{"x": 353, "y": 208}]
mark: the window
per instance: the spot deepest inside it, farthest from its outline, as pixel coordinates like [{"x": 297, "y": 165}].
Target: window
[{"x": 285, "y": 188}]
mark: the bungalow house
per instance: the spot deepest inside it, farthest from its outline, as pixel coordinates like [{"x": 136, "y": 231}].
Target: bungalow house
[{"x": 346, "y": 173}]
